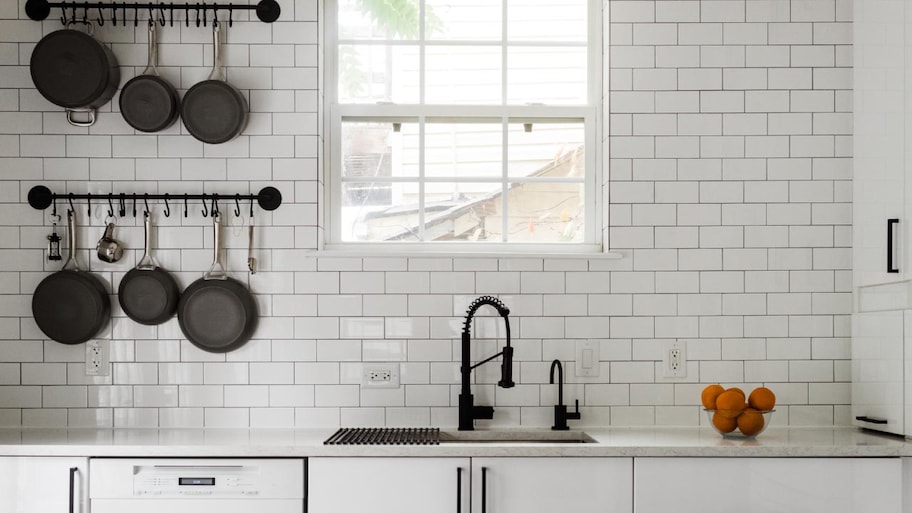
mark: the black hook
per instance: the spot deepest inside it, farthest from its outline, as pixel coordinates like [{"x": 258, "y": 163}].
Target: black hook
[
  {"x": 100, "y": 20},
  {"x": 135, "y": 24},
  {"x": 167, "y": 206},
  {"x": 230, "y": 13},
  {"x": 151, "y": 15},
  {"x": 251, "y": 206},
  {"x": 89, "y": 203},
  {"x": 63, "y": 13},
  {"x": 198, "y": 15},
  {"x": 146, "y": 203},
  {"x": 114, "y": 14},
  {"x": 70, "y": 199},
  {"x": 110, "y": 206},
  {"x": 122, "y": 210},
  {"x": 85, "y": 13},
  {"x": 134, "y": 204},
  {"x": 237, "y": 205},
  {"x": 161, "y": 15},
  {"x": 205, "y": 207},
  {"x": 205, "y": 16},
  {"x": 187, "y": 17},
  {"x": 54, "y": 212},
  {"x": 185, "y": 205},
  {"x": 215, "y": 207}
]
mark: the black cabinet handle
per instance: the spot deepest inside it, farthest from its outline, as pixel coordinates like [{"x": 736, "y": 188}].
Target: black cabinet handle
[
  {"x": 872, "y": 420},
  {"x": 890, "y": 267},
  {"x": 484, "y": 489},
  {"x": 73, "y": 471},
  {"x": 458, "y": 489}
]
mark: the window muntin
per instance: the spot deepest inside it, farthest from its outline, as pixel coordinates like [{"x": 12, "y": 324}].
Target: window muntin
[{"x": 477, "y": 132}]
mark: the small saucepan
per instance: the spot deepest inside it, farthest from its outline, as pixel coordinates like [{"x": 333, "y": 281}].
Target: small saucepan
[
  {"x": 214, "y": 111},
  {"x": 148, "y": 102},
  {"x": 148, "y": 294}
]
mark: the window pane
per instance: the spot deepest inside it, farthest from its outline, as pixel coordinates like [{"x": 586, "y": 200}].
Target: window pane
[
  {"x": 546, "y": 212},
  {"x": 549, "y": 75},
  {"x": 463, "y": 74},
  {"x": 462, "y": 211},
  {"x": 360, "y": 19},
  {"x": 546, "y": 20},
  {"x": 463, "y": 150},
  {"x": 465, "y": 20},
  {"x": 546, "y": 150},
  {"x": 368, "y": 214},
  {"x": 376, "y": 149},
  {"x": 378, "y": 73}
]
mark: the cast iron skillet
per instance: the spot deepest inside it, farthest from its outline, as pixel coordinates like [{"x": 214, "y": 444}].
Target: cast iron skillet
[
  {"x": 214, "y": 111},
  {"x": 217, "y": 313},
  {"x": 148, "y": 294},
  {"x": 73, "y": 70},
  {"x": 149, "y": 103},
  {"x": 71, "y": 306}
]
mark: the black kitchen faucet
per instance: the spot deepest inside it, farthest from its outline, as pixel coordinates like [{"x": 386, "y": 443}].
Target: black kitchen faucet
[
  {"x": 468, "y": 412},
  {"x": 561, "y": 415}
]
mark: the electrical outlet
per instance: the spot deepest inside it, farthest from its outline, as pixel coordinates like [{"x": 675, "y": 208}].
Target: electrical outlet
[
  {"x": 380, "y": 375},
  {"x": 97, "y": 358},
  {"x": 674, "y": 360}
]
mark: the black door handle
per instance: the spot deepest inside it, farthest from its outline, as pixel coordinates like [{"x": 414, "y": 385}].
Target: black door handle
[
  {"x": 458, "y": 489},
  {"x": 484, "y": 489},
  {"x": 73, "y": 471},
  {"x": 890, "y": 265},
  {"x": 872, "y": 420}
]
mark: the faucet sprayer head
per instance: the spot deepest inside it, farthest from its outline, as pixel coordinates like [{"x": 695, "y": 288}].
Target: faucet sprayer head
[{"x": 506, "y": 369}]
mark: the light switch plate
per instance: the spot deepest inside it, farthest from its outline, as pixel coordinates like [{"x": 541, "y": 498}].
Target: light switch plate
[{"x": 587, "y": 358}]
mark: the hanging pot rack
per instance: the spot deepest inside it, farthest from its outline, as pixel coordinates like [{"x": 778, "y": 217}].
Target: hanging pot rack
[
  {"x": 267, "y": 11},
  {"x": 269, "y": 198}
]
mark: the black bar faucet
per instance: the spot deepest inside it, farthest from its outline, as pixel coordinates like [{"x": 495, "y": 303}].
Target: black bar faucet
[
  {"x": 468, "y": 412},
  {"x": 561, "y": 415}
]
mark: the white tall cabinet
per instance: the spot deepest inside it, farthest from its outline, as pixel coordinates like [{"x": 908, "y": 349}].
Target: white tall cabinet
[{"x": 42, "y": 484}]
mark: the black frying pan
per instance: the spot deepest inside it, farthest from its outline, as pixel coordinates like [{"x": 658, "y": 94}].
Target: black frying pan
[
  {"x": 149, "y": 103},
  {"x": 217, "y": 313},
  {"x": 148, "y": 294},
  {"x": 214, "y": 111},
  {"x": 71, "y": 306},
  {"x": 73, "y": 70}
]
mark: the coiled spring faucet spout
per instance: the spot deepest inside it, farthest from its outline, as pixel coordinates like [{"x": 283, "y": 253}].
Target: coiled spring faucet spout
[{"x": 468, "y": 412}]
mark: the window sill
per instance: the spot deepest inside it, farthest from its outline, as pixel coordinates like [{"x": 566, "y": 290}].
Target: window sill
[{"x": 362, "y": 252}]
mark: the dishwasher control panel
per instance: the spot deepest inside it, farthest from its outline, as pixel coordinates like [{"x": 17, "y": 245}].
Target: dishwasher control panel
[{"x": 205, "y": 480}]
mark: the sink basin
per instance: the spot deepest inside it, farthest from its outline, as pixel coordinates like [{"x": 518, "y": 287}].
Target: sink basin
[{"x": 509, "y": 436}]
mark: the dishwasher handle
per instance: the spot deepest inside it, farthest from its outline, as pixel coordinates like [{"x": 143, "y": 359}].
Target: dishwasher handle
[
  {"x": 458, "y": 489},
  {"x": 73, "y": 471},
  {"x": 890, "y": 229},
  {"x": 484, "y": 489}
]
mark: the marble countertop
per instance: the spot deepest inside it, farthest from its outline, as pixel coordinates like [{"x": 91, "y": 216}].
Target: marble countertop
[{"x": 629, "y": 442}]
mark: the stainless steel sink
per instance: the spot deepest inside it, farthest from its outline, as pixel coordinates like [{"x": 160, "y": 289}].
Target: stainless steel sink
[{"x": 511, "y": 436}]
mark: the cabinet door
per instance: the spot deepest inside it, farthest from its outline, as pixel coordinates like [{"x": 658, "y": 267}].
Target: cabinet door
[
  {"x": 388, "y": 485},
  {"x": 879, "y": 139},
  {"x": 42, "y": 485},
  {"x": 524, "y": 485},
  {"x": 768, "y": 485},
  {"x": 877, "y": 370}
]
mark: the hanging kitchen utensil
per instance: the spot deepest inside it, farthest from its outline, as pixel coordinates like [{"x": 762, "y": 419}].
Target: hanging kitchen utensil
[
  {"x": 214, "y": 111},
  {"x": 108, "y": 248},
  {"x": 251, "y": 261},
  {"x": 217, "y": 313},
  {"x": 54, "y": 240},
  {"x": 148, "y": 294},
  {"x": 149, "y": 103},
  {"x": 71, "y": 305},
  {"x": 75, "y": 71}
]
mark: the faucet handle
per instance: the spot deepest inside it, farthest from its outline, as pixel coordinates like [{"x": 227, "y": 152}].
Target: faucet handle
[{"x": 574, "y": 415}]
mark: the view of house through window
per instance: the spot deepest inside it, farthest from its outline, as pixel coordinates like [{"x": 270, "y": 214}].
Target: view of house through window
[{"x": 468, "y": 121}]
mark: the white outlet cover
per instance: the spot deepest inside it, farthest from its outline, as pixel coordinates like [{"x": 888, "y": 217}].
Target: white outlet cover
[
  {"x": 587, "y": 358},
  {"x": 669, "y": 370},
  {"x": 371, "y": 369},
  {"x": 97, "y": 360}
]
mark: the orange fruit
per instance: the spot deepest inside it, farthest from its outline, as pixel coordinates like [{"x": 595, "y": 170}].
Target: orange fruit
[
  {"x": 724, "y": 424},
  {"x": 709, "y": 396},
  {"x": 750, "y": 422},
  {"x": 730, "y": 403},
  {"x": 762, "y": 399},
  {"x": 738, "y": 390}
]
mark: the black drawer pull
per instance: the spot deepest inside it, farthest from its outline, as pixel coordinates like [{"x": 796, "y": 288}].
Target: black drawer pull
[
  {"x": 890, "y": 266},
  {"x": 872, "y": 420}
]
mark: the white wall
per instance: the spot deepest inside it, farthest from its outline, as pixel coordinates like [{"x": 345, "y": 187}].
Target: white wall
[{"x": 730, "y": 138}]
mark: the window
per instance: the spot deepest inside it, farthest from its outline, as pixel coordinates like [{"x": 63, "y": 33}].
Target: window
[{"x": 472, "y": 123}]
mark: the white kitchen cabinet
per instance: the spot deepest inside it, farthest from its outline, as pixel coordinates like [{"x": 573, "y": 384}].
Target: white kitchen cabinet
[
  {"x": 768, "y": 485},
  {"x": 882, "y": 183},
  {"x": 388, "y": 485},
  {"x": 448, "y": 485},
  {"x": 578, "y": 485},
  {"x": 878, "y": 341},
  {"x": 42, "y": 484}
]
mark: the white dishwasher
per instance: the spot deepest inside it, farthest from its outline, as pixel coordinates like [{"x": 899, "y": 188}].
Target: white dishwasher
[{"x": 178, "y": 485}]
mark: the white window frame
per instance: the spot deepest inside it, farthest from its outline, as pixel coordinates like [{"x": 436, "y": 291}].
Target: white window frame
[{"x": 591, "y": 115}]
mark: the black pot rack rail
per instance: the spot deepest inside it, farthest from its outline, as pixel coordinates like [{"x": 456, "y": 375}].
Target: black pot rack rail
[
  {"x": 267, "y": 11},
  {"x": 269, "y": 198}
]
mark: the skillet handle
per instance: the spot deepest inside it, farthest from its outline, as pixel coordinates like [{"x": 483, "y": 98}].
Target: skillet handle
[
  {"x": 216, "y": 271},
  {"x": 89, "y": 112},
  {"x": 71, "y": 242},
  {"x": 216, "y": 73}
]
